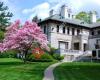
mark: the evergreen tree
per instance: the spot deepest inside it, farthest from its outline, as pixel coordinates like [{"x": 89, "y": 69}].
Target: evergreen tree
[{"x": 5, "y": 16}]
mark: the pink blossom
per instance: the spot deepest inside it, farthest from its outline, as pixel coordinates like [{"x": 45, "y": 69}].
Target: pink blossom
[{"x": 22, "y": 37}]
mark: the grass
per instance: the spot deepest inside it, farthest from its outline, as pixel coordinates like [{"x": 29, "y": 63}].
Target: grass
[
  {"x": 15, "y": 69},
  {"x": 78, "y": 71}
]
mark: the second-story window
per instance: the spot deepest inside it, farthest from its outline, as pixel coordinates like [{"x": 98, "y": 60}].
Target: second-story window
[
  {"x": 69, "y": 15},
  {"x": 98, "y": 32},
  {"x": 78, "y": 32},
  {"x": 64, "y": 30},
  {"x": 73, "y": 31},
  {"x": 68, "y": 30},
  {"x": 45, "y": 29},
  {"x": 92, "y": 33},
  {"x": 57, "y": 28}
]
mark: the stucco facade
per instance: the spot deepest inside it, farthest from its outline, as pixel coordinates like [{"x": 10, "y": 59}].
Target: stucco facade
[
  {"x": 70, "y": 35},
  {"x": 70, "y": 38}
]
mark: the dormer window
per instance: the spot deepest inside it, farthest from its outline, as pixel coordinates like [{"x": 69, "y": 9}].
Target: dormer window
[{"x": 82, "y": 23}]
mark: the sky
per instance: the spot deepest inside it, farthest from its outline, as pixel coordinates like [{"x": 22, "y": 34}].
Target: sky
[{"x": 27, "y": 9}]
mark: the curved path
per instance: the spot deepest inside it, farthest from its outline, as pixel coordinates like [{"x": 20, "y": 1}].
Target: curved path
[{"x": 48, "y": 73}]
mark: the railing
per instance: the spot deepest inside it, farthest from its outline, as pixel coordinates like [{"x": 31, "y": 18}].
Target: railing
[
  {"x": 86, "y": 56},
  {"x": 71, "y": 51},
  {"x": 94, "y": 36},
  {"x": 66, "y": 51}
]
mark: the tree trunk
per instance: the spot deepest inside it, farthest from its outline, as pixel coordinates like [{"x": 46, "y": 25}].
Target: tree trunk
[{"x": 25, "y": 54}]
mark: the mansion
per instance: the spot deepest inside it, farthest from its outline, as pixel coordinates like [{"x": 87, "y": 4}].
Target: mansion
[{"x": 66, "y": 33}]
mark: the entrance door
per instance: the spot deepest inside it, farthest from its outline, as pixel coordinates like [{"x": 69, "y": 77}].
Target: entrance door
[{"x": 63, "y": 45}]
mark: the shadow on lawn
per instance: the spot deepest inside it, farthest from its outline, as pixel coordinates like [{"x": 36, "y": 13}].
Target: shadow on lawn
[
  {"x": 19, "y": 63},
  {"x": 11, "y": 63}
]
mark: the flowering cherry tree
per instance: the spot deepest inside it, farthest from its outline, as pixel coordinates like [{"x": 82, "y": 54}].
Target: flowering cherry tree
[{"x": 23, "y": 37}]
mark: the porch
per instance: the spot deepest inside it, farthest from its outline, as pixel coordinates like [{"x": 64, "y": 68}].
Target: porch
[{"x": 74, "y": 55}]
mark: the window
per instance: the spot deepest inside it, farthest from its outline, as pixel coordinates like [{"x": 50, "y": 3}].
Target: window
[
  {"x": 68, "y": 30},
  {"x": 92, "y": 33},
  {"x": 98, "y": 53},
  {"x": 57, "y": 28},
  {"x": 98, "y": 41},
  {"x": 66, "y": 45},
  {"x": 94, "y": 53},
  {"x": 73, "y": 31},
  {"x": 44, "y": 29},
  {"x": 78, "y": 32},
  {"x": 64, "y": 30},
  {"x": 98, "y": 32},
  {"x": 97, "y": 45},
  {"x": 69, "y": 15}
]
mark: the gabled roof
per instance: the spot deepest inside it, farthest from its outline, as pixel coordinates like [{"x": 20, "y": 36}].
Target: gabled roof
[{"x": 71, "y": 21}]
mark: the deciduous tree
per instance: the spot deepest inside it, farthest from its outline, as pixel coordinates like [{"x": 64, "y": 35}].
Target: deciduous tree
[{"x": 23, "y": 37}]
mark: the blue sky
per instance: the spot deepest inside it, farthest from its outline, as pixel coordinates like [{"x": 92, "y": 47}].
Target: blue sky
[{"x": 26, "y": 9}]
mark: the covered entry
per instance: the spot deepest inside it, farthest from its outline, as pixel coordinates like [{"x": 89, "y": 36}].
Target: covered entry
[
  {"x": 63, "y": 45},
  {"x": 76, "y": 46}
]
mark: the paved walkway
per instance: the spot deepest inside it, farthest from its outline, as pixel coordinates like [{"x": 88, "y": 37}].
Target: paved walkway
[{"x": 48, "y": 73}]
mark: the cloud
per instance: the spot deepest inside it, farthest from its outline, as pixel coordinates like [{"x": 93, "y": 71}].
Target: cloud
[
  {"x": 6, "y": 1},
  {"x": 76, "y": 5},
  {"x": 40, "y": 10},
  {"x": 97, "y": 1}
]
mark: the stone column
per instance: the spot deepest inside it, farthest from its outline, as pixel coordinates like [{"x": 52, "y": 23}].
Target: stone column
[
  {"x": 70, "y": 31},
  {"x": 66, "y": 30},
  {"x": 76, "y": 32}
]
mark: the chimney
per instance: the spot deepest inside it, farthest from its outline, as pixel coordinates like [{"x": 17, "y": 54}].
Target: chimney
[
  {"x": 65, "y": 12},
  {"x": 93, "y": 17},
  {"x": 51, "y": 13}
]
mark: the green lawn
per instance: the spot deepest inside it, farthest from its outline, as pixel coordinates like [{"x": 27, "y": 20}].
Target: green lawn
[
  {"x": 78, "y": 71},
  {"x": 15, "y": 69}
]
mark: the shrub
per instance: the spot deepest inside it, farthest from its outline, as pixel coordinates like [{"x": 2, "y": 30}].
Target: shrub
[
  {"x": 58, "y": 57},
  {"x": 52, "y": 50},
  {"x": 8, "y": 54},
  {"x": 30, "y": 57},
  {"x": 44, "y": 58}
]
